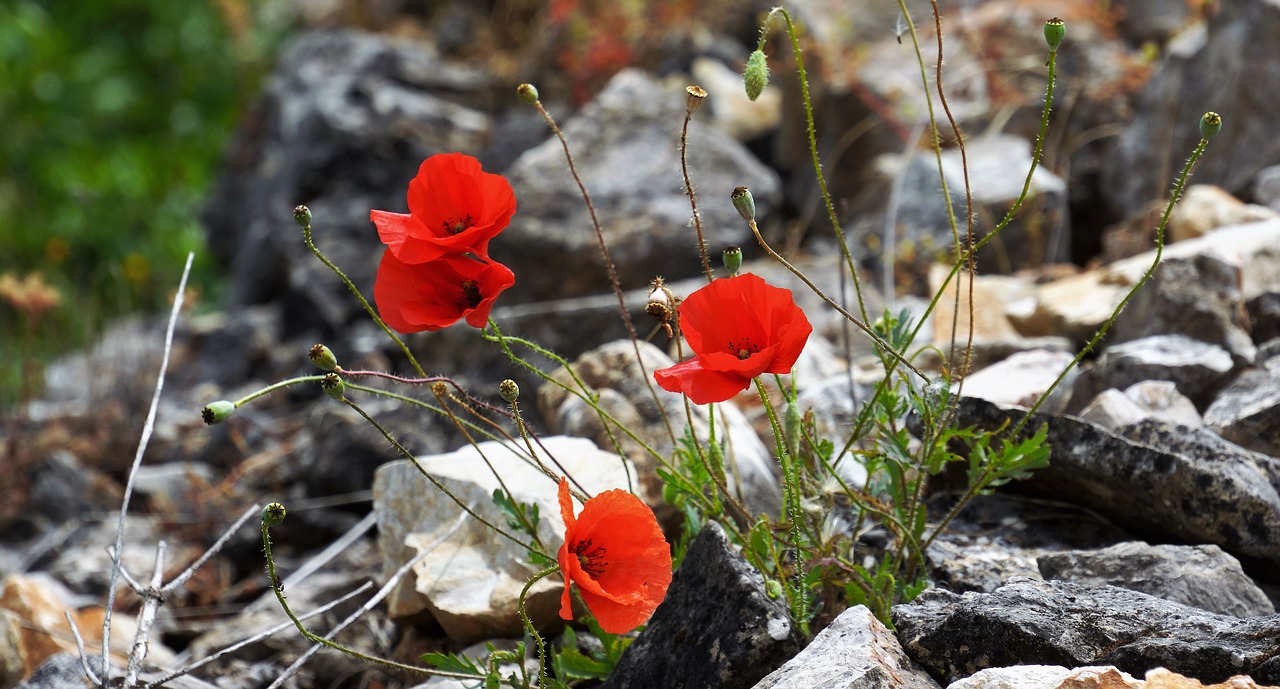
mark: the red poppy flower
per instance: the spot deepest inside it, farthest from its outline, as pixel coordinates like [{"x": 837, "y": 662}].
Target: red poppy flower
[
  {"x": 616, "y": 554},
  {"x": 430, "y": 296},
  {"x": 739, "y": 328},
  {"x": 454, "y": 208}
]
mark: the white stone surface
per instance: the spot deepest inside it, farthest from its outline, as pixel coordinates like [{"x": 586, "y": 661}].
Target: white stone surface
[{"x": 470, "y": 581}]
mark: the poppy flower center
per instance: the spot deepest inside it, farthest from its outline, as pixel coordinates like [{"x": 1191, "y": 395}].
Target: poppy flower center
[
  {"x": 470, "y": 294},
  {"x": 743, "y": 349},
  {"x": 452, "y": 227},
  {"x": 590, "y": 557}
]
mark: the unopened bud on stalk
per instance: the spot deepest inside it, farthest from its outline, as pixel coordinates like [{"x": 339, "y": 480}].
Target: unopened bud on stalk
[
  {"x": 1210, "y": 125},
  {"x": 527, "y": 93},
  {"x": 1054, "y": 31},
  {"x": 694, "y": 95},
  {"x": 333, "y": 386},
  {"x": 756, "y": 76},
  {"x": 509, "y": 391},
  {"x": 744, "y": 202},
  {"x": 302, "y": 216},
  {"x": 217, "y": 412},
  {"x": 732, "y": 258},
  {"x": 322, "y": 357}
]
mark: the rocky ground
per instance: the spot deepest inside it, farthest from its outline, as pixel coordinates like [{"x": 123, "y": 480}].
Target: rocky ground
[{"x": 1146, "y": 554}]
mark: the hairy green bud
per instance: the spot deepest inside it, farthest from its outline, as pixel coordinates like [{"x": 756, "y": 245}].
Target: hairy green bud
[
  {"x": 527, "y": 93},
  {"x": 302, "y": 216},
  {"x": 756, "y": 76}
]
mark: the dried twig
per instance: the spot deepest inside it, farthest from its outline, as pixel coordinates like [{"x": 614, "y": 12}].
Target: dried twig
[
  {"x": 288, "y": 624},
  {"x": 147, "y": 429}
]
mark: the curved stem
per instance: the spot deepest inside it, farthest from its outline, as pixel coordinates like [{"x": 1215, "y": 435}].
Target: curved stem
[
  {"x": 278, "y": 588},
  {"x": 813, "y": 152},
  {"x": 306, "y": 237},
  {"x": 1097, "y": 337},
  {"x": 528, "y": 623}
]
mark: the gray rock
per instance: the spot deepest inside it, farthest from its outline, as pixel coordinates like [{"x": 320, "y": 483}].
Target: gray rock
[
  {"x": 1247, "y": 412},
  {"x": 1238, "y": 48},
  {"x": 998, "y": 537},
  {"x": 1058, "y": 623},
  {"x": 855, "y": 652},
  {"x": 64, "y": 488},
  {"x": 1143, "y": 21},
  {"x": 997, "y": 169},
  {"x": 1157, "y": 399},
  {"x": 625, "y": 148},
  {"x": 470, "y": 579},
  {"x": 1181, "y": 485},
  {"x": 1198, "y": 369},
  {"x": 1266, "y": 188},
  {"x": 1047, "y": 677},
  {"x": 1201, "y": 576},
  {"x": 717, "y": 628},
  {"x": 61, "y": 671},
  {"x": 1264, "y": 316},
  {"x": 344, "y": 122},
  {"x": 1198, "y": 296}
]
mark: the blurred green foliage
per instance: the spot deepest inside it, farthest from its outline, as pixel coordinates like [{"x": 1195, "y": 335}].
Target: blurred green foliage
[{"x": 114, "y": 114}]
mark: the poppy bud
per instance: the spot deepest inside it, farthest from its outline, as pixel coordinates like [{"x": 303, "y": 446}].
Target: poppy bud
[
  {"x": 694, "y": 95},
  {"x": 217, "y": 412},
  {"x": 1054, "y": 31},
  {"x": 509, "y": 391},
  {"x": 302, "y": 216},
  {"x": 333, "y": 386},
  {"x": 756, "y": 76},
  {"x": 273, "y": 514},
  {"x": 322, "y": 357},
  {"x": 1210, "y": 125},
  {"x": 527, "y": 93},
  {"x": 732, "y": 258},
  {"x": 744, "y": 202},
  {"x": 773, "y": 589}
]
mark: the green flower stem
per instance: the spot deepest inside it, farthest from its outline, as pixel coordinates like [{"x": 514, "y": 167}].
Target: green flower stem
[
  {"x": 528, "y": 623},
  {"x": 1097, "y": 337},
  {"x": 609, "y": 265},
  {"x": 525, "y": 524},
  {"x": 791, "y": 498},
  {"x": 524, "y": 435},
  {"x": 830, "y": 302},
  {"x": 276, "y": 386},
  {"x": 431, "y": 408},
  {"x": 436, "y": 482},
  {"x": 813, "y": 152},
  {"x": 306, "y": 237},
  {"x": 583, "y": 393},
  {"x": 278, "y": 588},
  {"x": 864, "y": 416}
]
